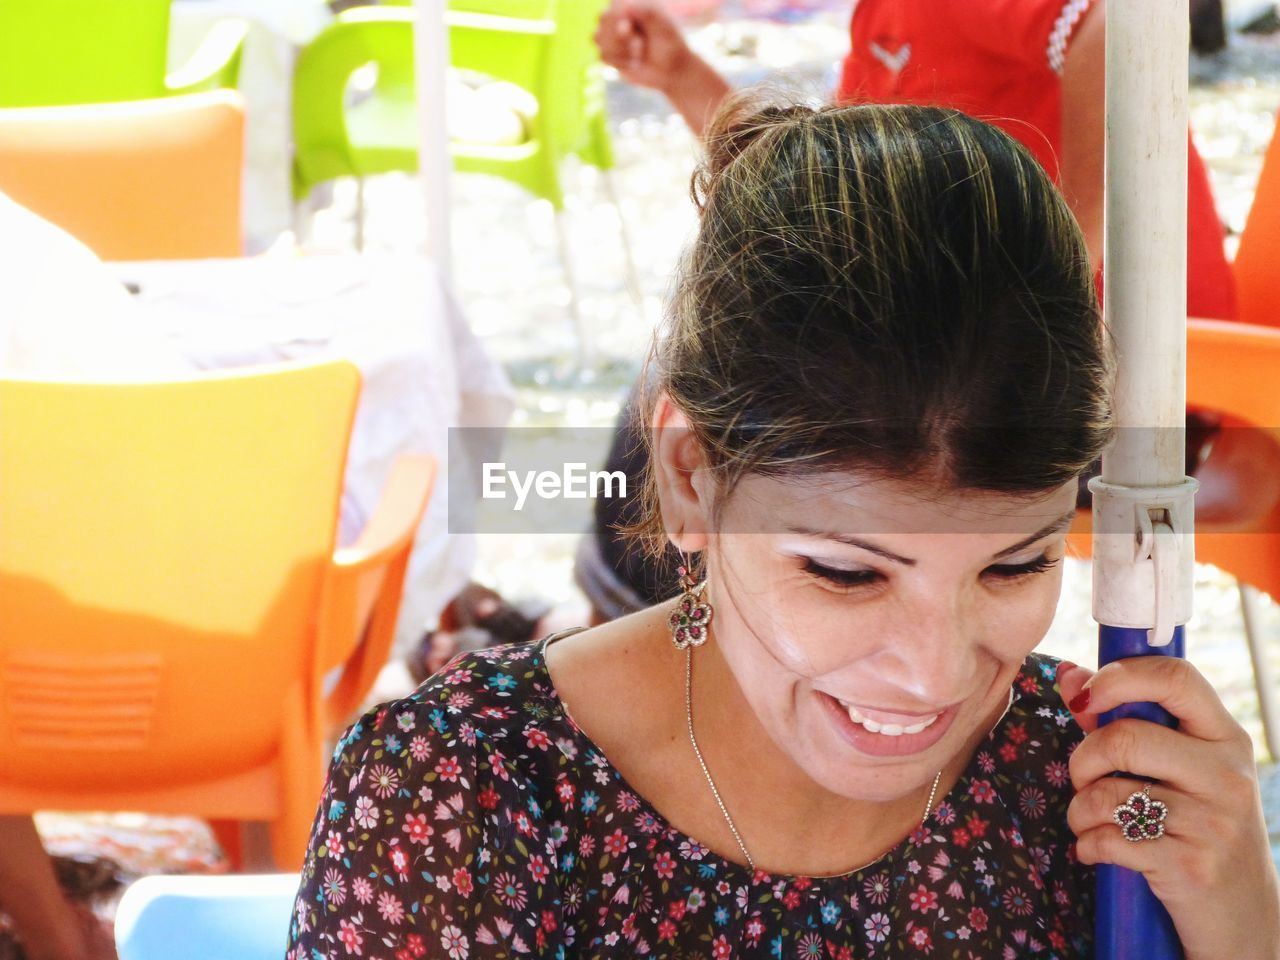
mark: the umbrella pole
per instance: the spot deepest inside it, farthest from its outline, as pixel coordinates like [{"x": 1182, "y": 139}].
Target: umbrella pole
[
  {"x": 431, "y": 58},
  {"x": 1143, "y": 502}
]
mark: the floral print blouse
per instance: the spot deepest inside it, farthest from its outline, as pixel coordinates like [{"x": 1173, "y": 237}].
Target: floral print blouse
[{"x": 474, "y": 819}]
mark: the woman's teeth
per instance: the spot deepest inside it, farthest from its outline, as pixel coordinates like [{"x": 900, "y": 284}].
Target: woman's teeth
[{"x": 886, "y": 729}]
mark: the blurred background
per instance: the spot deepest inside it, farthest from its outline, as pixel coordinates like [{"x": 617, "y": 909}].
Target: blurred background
[{"x": 536, "y": 312}]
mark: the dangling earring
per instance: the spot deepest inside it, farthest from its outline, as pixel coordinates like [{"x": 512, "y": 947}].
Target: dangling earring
[{"x": 689, "y": 620}]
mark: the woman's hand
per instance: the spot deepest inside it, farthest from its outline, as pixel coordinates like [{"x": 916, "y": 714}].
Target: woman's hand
[
  {"x": 1212, "y": 869},
  {"x": 639, "y": 39}
]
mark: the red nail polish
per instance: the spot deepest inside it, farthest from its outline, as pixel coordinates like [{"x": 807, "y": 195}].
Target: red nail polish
[{"x": 1079, "y": 702}]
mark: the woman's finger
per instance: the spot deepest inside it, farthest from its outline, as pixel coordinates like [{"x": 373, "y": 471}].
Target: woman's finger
[
  {"x": 1147, "y": 749},
  {"x": 1171, "y": 682},
  {"x": 1071, "y": 682}
]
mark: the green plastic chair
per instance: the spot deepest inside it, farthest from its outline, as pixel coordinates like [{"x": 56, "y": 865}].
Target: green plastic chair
[
  {"x": 62, "y": 52},
  {"x": 542, "y": 47}
]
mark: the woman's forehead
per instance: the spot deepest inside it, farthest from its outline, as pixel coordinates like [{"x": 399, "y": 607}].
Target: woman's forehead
[{"x": 839, "y": 505}]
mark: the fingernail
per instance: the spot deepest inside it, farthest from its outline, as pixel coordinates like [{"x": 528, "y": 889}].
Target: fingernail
[{"x": 1080, "y": 701}]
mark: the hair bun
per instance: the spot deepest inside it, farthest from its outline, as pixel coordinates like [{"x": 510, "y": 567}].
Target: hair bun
[{"x": 741, "y": 119}]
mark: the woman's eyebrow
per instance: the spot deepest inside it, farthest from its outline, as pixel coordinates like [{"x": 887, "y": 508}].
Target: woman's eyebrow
[
  {"x": 853, "y": 542},
  {"x": 1057, "y": 525}
]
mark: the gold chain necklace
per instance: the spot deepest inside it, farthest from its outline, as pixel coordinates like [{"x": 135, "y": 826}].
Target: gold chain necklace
[{"x": 688, "y": 715}]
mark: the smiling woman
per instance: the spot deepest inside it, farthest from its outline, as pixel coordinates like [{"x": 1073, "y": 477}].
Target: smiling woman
[{"x": 884, "y": 373}]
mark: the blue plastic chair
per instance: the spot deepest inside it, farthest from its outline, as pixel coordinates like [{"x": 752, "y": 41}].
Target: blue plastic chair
[{"x": 231, "y": 917}]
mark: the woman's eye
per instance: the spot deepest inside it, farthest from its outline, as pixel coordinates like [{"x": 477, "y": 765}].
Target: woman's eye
[
  {"x": 843, "y": 578},
  {"x": 1011, "y": 571}
]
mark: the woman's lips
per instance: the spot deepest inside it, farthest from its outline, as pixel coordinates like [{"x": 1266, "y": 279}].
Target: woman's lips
[{"x": 898, "y": 734}]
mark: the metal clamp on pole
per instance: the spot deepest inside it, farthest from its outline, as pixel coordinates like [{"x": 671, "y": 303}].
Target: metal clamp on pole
[{"x": 1143, "y": 552}]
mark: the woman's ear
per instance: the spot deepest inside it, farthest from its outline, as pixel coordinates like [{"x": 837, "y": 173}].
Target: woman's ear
[{"x": 684, "y": 482}]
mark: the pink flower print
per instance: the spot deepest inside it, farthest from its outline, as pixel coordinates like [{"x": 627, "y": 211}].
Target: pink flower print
[
  {"x": 350, "y": 937},
  {"x": 537, "y": 738},
  {"x": 420, "y": 749},
  {"x": 458, "y": 677},
  {"x": 459, "y": 700},
  {"x": 720, "y": 949},
  {"x": 523, "y": 824},
  {"x": 455, "y": 943},
  {"x": 538, "y": 869},
  {"x": 462, "y": 881},
  {"x": 877, "y": 927},
  {"x": 416, "y": 826},
  {"x": 565, "y": 790},
  {"x": 333, "y": 843},
  {"x": 1057, "y": 773},
  {"x": 666, "y": 930},
  {"x": 627, "y": 802},
  {"x": 754, "y": 929},
  {"x": 877, "y": 888},
  {"x": 497, "y": 765},
  {"x": 509, "y": 891},
  {"x": 390, "y": 908},
  {"x": 923, "y": 899},
  {"x": 665, "y": 866},
  {"x": 400, "y": 862},
  {"x": 986, "y": 762},
  {"x": 616, "y": 843},
  {"x": 366, "y": 814},
  {"x": 1017, "y": 902},
  {"x": 384, "y": 781},
  {"x": 921, "y": 940},
  {"x": 978, "y": 919},
  {"x": 982, "y": 791},
  {"x": 335, "y": 887},
  {"x": 448, "y": 768},
  {"x": 362, "y": 889},
  {"x": 810, "y": 946},
  {"x": 586, "y": 845}
]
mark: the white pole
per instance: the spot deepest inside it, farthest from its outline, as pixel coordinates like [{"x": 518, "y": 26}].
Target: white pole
[
  {"x": 1145, "y": 305},
  {"x": 1146, "y": 234},
  {"x": 431, "y": 58}
]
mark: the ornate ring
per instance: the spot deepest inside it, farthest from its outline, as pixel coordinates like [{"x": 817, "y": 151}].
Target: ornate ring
[{"x": 1141, "y": 818}]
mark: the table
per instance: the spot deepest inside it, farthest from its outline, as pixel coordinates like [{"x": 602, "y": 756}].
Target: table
[{"x": 424, "y": 371}]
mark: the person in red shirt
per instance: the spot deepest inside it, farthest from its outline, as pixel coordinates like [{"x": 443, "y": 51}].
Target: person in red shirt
[{"x": 1032, "y": 67}]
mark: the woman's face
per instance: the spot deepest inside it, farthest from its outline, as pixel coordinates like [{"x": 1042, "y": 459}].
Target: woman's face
[{"x": 875, "y": 626}]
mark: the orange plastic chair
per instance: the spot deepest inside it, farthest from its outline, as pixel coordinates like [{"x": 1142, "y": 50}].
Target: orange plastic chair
[
  {"x": 1257, "y": 263},
  {"x": 140, "y": 180},
  {"x": 172, "y": 607}
]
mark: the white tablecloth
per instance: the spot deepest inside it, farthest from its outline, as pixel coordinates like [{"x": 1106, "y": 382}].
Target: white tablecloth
[{"x": 424, "y": 371}]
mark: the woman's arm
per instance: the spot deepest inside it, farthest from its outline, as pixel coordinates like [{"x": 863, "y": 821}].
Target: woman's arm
[
  {"x": 1212, "y": 869},
  {"x": 641, "y": 41}
]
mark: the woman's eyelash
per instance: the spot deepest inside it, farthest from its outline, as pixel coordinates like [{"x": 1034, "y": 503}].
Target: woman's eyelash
[
  {"x": 857, "y": 578},
  {"x": 844, "y": 578},
  {"x": 1010, "y": 571}
]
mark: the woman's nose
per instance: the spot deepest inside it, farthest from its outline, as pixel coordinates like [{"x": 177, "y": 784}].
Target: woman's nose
[{"x": 932, "y": 661}]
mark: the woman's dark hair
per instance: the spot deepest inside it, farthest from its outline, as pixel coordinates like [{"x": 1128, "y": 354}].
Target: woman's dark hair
[{"x": 896, "y": 290}]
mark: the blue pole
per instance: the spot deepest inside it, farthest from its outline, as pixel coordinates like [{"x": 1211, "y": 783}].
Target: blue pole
[{"x": 1131, "y": 923}]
